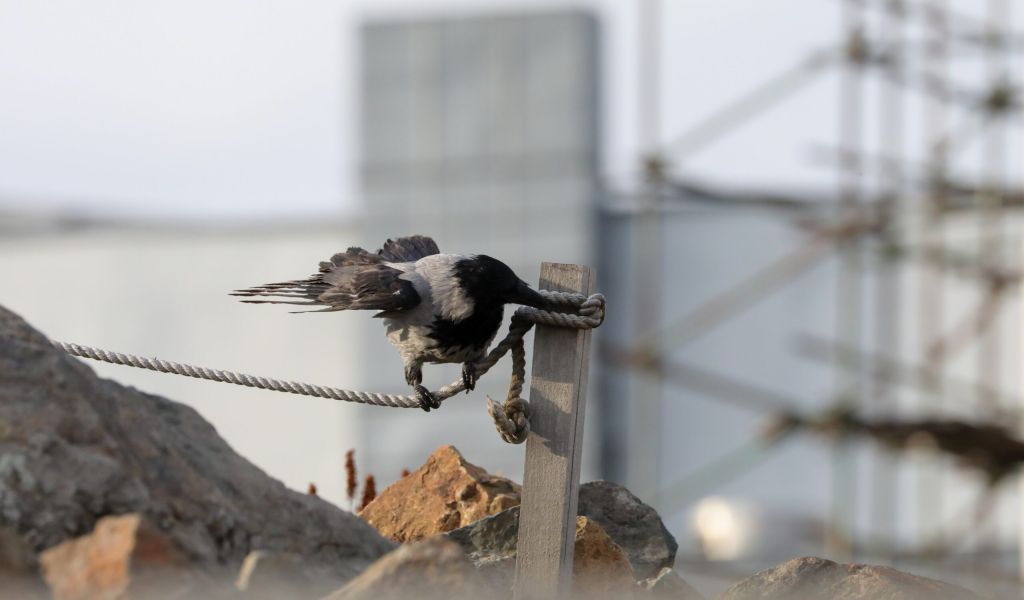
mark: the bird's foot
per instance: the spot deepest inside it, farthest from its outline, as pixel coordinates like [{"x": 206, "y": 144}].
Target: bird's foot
[
  {"x": 469, "y": 376},
  {"x": 427, "y": 400}
]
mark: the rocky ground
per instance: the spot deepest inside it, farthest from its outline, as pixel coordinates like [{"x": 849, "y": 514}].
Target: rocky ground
[{"x": 107, "y": 492}]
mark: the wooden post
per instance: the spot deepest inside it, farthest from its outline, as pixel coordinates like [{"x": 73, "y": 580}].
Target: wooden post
[{"x": 558, "y": 386}]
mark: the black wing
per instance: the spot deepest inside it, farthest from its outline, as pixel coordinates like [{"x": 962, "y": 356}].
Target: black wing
[
  {"x": 376, "y": 287},
  {"x": 408, "y": 249},
  {"x": 351, "y": 280}
]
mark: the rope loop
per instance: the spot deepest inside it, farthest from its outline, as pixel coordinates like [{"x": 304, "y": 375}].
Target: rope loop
[
  {"x": 512, "y": 420},
  {"x": 589, "y": 310},
  {"x": 565, "y": 309}
]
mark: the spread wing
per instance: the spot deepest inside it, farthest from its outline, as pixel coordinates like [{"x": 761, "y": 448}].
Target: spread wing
[
  {"x": 372, "y": 287},
  {"x": 408, "y": 249},
  {"x": 351, "y": 280}
]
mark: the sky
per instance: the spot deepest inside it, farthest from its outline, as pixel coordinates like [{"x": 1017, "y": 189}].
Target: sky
[{"x": 238, "y": 109}]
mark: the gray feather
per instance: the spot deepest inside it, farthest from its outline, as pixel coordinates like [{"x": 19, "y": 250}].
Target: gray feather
[
  {"x": 408, "y": 249},
  {"x": 349, "y": 286},
  {"x": 353, "y": 280}
]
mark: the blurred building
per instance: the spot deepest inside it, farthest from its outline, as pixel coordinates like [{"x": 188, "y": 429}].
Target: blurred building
[
  {"x": 481, "y": 131},
  {"x": 160, "y": 289}
]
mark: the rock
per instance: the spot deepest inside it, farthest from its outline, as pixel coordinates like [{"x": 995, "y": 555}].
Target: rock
[
  {"x": 448, "y": 492},
  {"x": 273, "y": 575},
  {"x": 819, "y": 579},
  {"x": 121, "y": 551},
  {"x": 76, "y": 448},
  {"x": 426, "y": 570},
  {"x": 635, "y": 526},
  {"x": 19, "y": 569},
  {"x": 668, "y": 585},
  {"x": 490, "y": 544},
  {"x": 489, "y": 539},
  {"x": 15, "y": 555},
  {"x": 600, "y": 567},
  {"x": 444, "y": 494}
]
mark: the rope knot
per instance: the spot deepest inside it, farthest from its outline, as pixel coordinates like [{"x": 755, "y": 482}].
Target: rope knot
[
  {"x": 512, "y": 420},
  {"x": 593, "y": 309}
]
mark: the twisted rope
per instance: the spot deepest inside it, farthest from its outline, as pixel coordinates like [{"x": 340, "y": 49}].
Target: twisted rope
[{"x": 511, "y": 419}]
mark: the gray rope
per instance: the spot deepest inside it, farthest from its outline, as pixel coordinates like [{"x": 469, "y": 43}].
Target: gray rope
[{"x": 511, "y": 419}]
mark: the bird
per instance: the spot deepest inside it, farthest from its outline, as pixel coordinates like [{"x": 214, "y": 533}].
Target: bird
[{"x": 436, "y": 308}]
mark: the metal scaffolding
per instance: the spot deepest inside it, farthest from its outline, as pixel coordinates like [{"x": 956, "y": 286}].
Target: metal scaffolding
[{"x": 897, "y": 265}]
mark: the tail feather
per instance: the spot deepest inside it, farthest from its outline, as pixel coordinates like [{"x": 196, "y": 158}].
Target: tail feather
[
  {"x": 296, "y": 312},
  {"x": 319, "y": 310},
  {"x": 304, "y": 292},
  {"x": 279, "y": 302},
  {"x": 307, "y": 289}
]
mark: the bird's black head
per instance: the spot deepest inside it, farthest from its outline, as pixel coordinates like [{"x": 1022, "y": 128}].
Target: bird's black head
[{"x": 489, "y": 281}]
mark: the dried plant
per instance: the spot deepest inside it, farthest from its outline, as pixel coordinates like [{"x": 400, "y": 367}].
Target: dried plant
[
  {"x": 352, "y": 480},
  {"x": 406, "y": 473},
  {"x": 311, "y": 490},
  {"x": 369, "y": 491}
]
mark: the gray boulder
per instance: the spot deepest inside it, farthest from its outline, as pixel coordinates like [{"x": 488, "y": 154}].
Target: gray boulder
[
  {"x": 634, "y": 526},
  {"x": 489, "y": 539},
  {"x": 812, "y": 578},
  {"x": 490, "y": 543},
  {"x": 74, "y": 448}
]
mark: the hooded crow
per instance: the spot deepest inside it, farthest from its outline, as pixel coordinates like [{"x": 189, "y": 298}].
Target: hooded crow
[{"x": 437, "y": 308}]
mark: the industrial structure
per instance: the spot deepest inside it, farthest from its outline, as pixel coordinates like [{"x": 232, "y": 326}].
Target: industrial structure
[
  {"x": 831, "y": 371},
  {"x": 844, "y": 360}
]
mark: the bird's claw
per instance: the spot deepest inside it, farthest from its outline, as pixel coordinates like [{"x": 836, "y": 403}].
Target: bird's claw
[
  {"x": 427, "y": 400},
  {"x": 469, "y": 376}
]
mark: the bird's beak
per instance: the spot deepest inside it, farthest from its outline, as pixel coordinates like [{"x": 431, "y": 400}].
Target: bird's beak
[{"x": 526, "y": 295}]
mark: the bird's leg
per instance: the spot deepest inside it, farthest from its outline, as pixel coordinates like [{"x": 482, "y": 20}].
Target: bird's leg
[
  {"x": 414, "y": 373},
  {"x": 414, "y": 377},
  {"x": 427, "y": 400},
  {"x": 469, "y": 375}
]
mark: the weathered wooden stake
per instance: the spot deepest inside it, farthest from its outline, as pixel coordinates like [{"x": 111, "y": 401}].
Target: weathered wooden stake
[{"x": 558, "y": 387}]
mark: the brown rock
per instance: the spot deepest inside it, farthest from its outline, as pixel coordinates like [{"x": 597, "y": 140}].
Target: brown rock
[
  {"x": 426, "y": 570},
  {"x": 121, "y": 551},
  {"x": 444, "y": 494},
  {"x": 819, "y": 579},
  {"x": 600, "y": 567}
]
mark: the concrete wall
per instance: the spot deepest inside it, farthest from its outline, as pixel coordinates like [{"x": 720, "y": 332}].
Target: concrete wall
[
  {"x": 482, "y": 132},
  {"x": 162, "y": 291}
]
